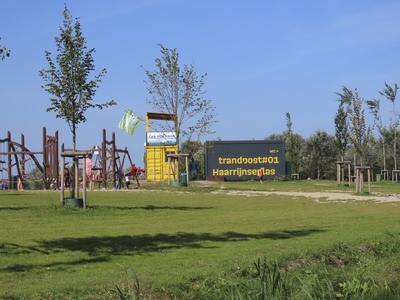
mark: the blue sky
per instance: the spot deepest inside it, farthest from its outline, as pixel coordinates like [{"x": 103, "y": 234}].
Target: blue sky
[{"x": 263, "y": 59}]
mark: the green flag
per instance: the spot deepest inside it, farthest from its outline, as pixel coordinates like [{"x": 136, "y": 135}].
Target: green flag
[{"x": 129, "y": 122}]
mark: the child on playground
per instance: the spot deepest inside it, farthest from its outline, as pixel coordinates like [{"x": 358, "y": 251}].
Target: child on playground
[
  {"x": 119, "y": 180},
  {"x": 139, "y": 171},
  {"x": 20, "y": 184},
  {"x": 89, "y": 172},
  {"x": 133, "y": 170},
  {"x": 127, "y": 182},
  {"x": 97, "y": 175},
  {"x": 135, "y": 173},
  {"x": 3, "y": 186}
]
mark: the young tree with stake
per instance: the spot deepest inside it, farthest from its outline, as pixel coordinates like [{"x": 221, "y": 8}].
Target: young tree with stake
[
  {"x": 67, "y": 78},
  {"x": 179, "y": 91}
]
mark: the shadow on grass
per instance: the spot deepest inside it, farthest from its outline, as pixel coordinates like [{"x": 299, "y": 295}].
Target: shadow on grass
[
  {"x": 16, "y": 208},
  {"x": 152, "y": 207},
  {"x": 146, "y": 243},
  {"x": 103, "y": 248},
  {"x": 29, "y": 267}
]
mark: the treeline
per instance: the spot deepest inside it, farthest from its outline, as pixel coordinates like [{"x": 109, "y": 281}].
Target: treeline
[
  {"x": 318, "y": 153},
  {"x": 354, "y": 140}
]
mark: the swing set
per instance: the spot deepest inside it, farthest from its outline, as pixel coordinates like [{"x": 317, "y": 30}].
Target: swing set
[{"x": 107, "y": 161}]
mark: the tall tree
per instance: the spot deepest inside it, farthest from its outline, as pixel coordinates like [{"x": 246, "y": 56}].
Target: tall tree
[
  {"x": 341, "y": 130},
  {"x": 68, "y": 78},
  {"x": 341, "y": 133},
  {"x": 361, "y": 136},
  {"x": 390, "y": 93},
  {"x": 4, "y": 52},
  {"x": 292, "y": 151},
  {"x": 179, "y": 91},
  {"x": 374, "y": 107}
]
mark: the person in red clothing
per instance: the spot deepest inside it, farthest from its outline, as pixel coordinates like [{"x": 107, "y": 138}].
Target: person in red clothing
[
  {"x": 133, "y": 170},
  {"x": 260, "y": 174},
  {"x": 139, "y": 171},
  {"x": 134, "y": 173}
]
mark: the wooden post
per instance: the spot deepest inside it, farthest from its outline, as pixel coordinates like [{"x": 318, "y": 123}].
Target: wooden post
[
  {"x": 360, "y": 178},
  {"x": 173, "y": 157},
  {"x": 62, "y": 181},
  {"x": 395, "y": 173},
  {"x": 56, "y": 166},
  {"x": 9, "y": 158},
  {"x": 338, "y": 173},
  {"x": 357, "y": 179},
  {"x": 114, "y": 160},
  {"x": 349, "y": 169},
  {"x": 22, "y": 156},
  {"x": 84, "y": 182},
  {"x": 103, "y": 158},
  {"x": 187, "y": 170},
  {"x": 369, "y": 180},
  {"x": 76, "y": 164},
  {"x": 76, "y": 155},
  {"x": 169, "y": 170}
]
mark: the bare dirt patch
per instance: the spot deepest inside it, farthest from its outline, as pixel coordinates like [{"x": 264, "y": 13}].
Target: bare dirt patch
[{"x": 329, "y": 196}]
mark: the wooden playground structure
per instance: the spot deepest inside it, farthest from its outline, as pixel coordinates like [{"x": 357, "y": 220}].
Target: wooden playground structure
[
  {"x": 13, "y": 154},
  {"x": 18, "y": 156},
  {"x": 107, "y": 161}
]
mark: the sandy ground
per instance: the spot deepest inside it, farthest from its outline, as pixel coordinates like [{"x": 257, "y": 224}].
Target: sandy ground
[
  {"x": 318, "y": 196},
  {"x": 321, "y": 196}
]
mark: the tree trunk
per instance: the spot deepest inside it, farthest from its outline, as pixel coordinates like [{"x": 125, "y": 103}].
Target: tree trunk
[
  {"x": 342, "y": 168},
  {"x": 394, "y": 149},
  {"x": 384, "y": 155},
  {"x": 74, "y": 166}
]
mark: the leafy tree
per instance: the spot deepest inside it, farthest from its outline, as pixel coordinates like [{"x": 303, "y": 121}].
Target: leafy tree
[
  {"x": 297, "y": 143},
  {"x": 389, "y": 136},
  {"x": 341, "y": 130},
  {"x": 35, "y": 181},
  {"x": 191, "y": 148},
  {"x": 178, "y": 91},
  {"x": 68, "y": 78},
  {"x": 360, "y": 136},
  {"x": 391, "y": 93},
  {"x": 374, "y": 106},
  {"x": 4, "y": 52},
  {"x": 319, "y": 153},
  {"x": 292, "y": 151},
  {"x": 277, "y": 137},
  {"x": 195, "y": 149}
]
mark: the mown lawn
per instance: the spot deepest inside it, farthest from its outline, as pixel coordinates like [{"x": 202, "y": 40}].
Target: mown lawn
[{"x": 174, "y": 238}]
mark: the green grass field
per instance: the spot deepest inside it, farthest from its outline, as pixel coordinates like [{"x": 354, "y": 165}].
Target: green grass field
[{"x": 176, "y": 239}]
